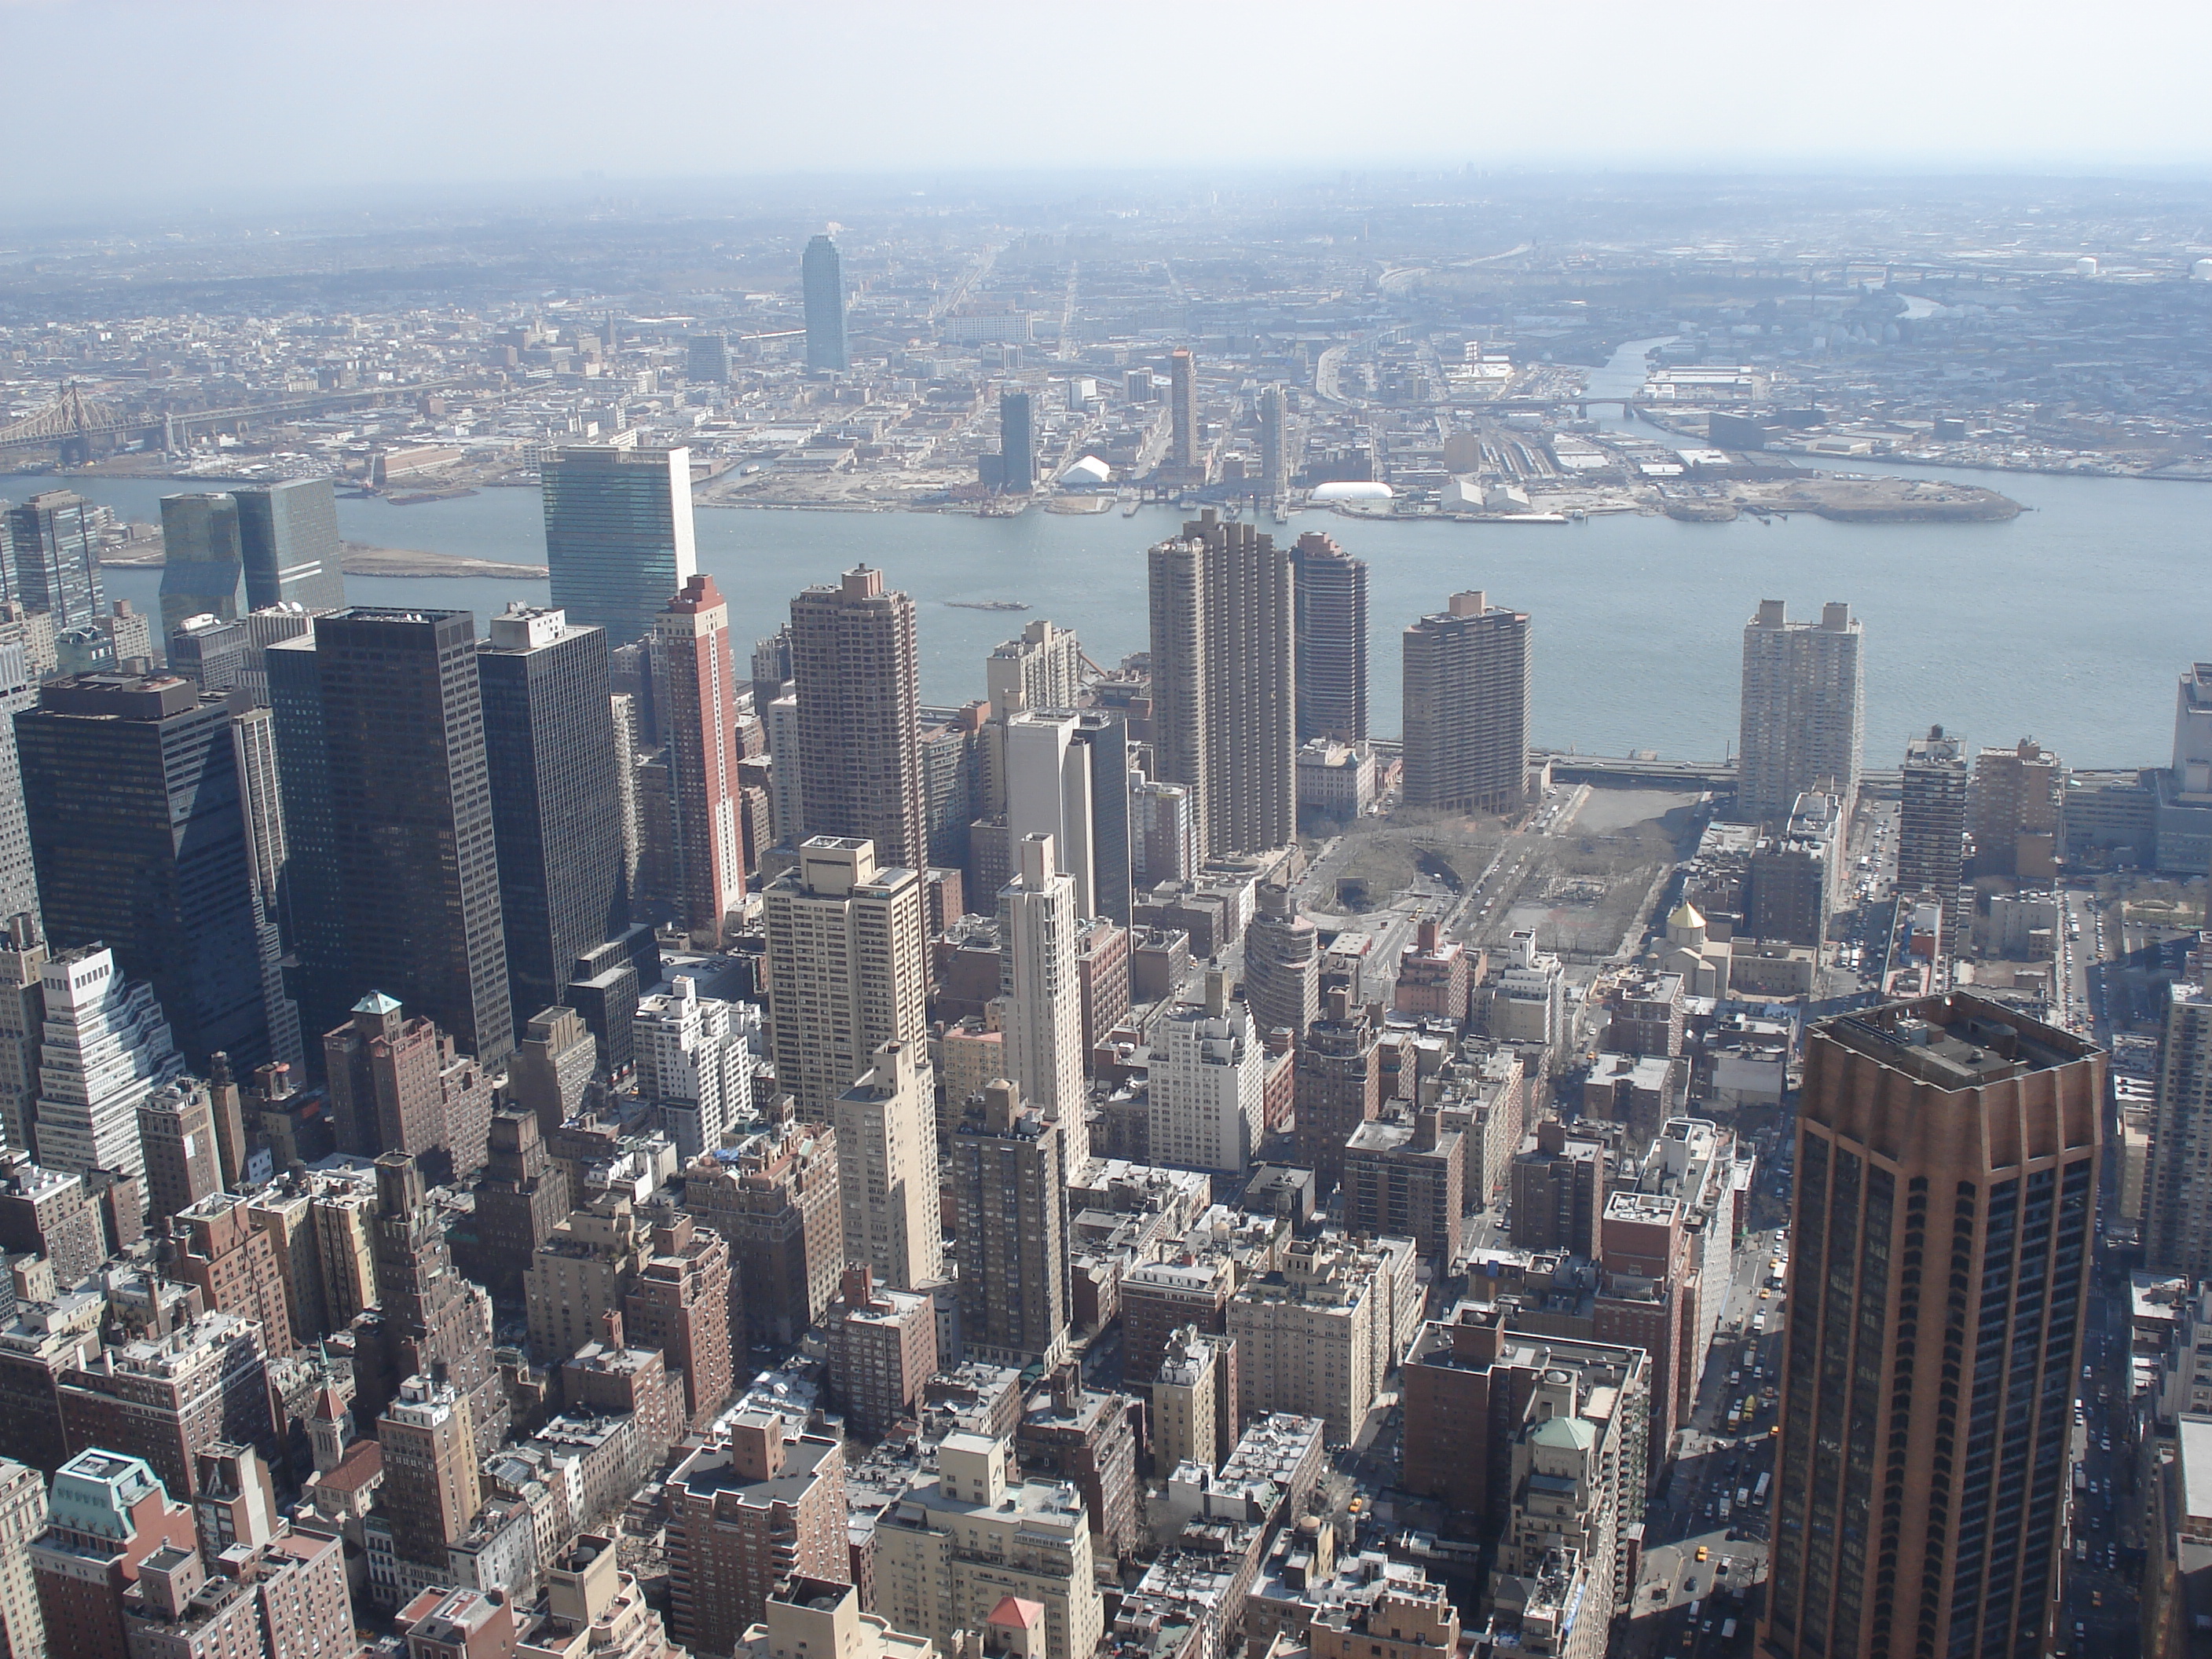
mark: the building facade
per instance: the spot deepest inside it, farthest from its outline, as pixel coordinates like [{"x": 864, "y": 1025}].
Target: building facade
[{"x": 1467, "y": 680}]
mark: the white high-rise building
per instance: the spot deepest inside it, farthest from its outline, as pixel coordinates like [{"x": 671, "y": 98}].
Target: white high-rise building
[
  {"x": 847, "y": 966},
  {"x": 787, "y": 801},
  {"x": 887, "y": 1126},
  {"x": 1048, "y": 772},
  {"x": 1043, "y": 668},
  {"x": 694, "y": 1059},
  {"x": 105, "y": 1048},
  {"x": 1804, "y": 709},
  {"x": 1043, "y": 1022},
  {"x": 1208, "y": 1072}
]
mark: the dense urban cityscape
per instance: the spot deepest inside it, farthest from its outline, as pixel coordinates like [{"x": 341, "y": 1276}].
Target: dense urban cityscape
[{"x": 577, "y": 1127}]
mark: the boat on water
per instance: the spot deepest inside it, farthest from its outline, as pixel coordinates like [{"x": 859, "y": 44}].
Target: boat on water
[{"x": 987, "y": 604}]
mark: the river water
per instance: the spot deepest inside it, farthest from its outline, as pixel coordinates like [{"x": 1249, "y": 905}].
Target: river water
[{"x": 2069, "y": 623}]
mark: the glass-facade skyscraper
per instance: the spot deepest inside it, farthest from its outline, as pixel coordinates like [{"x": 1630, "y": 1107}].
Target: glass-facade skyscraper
[
  {"x": 823, "y": 279},
  {"x": 202, "y": 565},
  {"x": 130, "y": 788},
  {"x": 53, "y": 558},
  {"x": 617, "y": 535},
  {"x": 289, "y": 535}
]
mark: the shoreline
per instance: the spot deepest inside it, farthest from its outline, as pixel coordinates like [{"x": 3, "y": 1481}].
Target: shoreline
[{"x": 363, "y": 559}]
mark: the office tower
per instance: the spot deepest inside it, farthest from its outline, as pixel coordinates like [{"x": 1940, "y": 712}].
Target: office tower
[
  {"x": 1275, "y": 468},
  {"x": 821, "y": 275},
  {"x": 106, "y": 1048},
  {"x": 1804, "y": 708},
  {"x": 772, "y": 1197},
  {"x": 409, "y": 816},
  {"x": 883, "y": 1347},
  {"x": 1467, "y": 676},
  {"x": 1332, "y": 640},
  {"x": 1017, "y": 444},
  {"x": 53, "y": 558},
  {"x": 695, "y": 1061},
  {"x": 619, "y": 537},
  {"x": 1282, "y": 964},
  {"x": 314, "y": 922},
  {"x": 1208, "y": 1065},
  {"x": 1066, "y": 774},
  {"x": 1339, "y": 1085},
  {"x": 1921, "y": 1485},
  {"x": 268, "y": 850},
  {"x": 1041, "y": 669},
  {"x": 22, "y": 1518},
  {"x": 695, "y": 690},
  {"x": 855, "y": 670},
  {"x": 847, "y": 968},
  {"x": 680, "y": 1304},
  {"x": 887, "y": 1166},
  {"x": 287, "y": 533},
  {"x": 1223, "y": 682},
  {"x": 2016, "y": 796},
  {"x": 433, "y": 1321},
  {"x": 1044, "y": 1021},
  {"x": 787, "y": 796},
  {"x": 210, "y": 651},
  {"x": 108, "y": 1514},
  {"x": 130, "y": 787},
  {"x": 176, "y": 1137},
  {"x": 432, "y": 1485},
  {"x": 1186, "y": 440},
  {"x": 2177, "y": 1228},
  {"x": 958, "y": 1543},
  {"x": 172, "y": 1398},
  {"x": 19, "y": 690},
  {"x": 203, "y": 564},
  {"x": 22, "y": 1022},
  {"x": 707, "y": 359},
  {"x": 751, "y": 1507},
  {"x": 555, "y": 811},
  {"x": 396, "y": 1084},
  {"x": 1931, "y": 819},
  {"x": 1009, "y": 1173}
]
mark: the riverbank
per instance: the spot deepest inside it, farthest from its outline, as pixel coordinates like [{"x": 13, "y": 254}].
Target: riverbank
[{"x": 358, "y": 559}]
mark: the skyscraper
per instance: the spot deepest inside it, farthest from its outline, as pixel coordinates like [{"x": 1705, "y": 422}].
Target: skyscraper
[
  {"x": 846, "y": 969},
  {"x": 1186, "y": 441},
  {"x": 2016, "y": 799},
  {"x": 261, "y": 806},
  {"x": 549, "y": 735},
  {"x": 1467, "y": 707},
  {"x": 433, "y": 1322},
  {"x": 617, "y": 535},
  {"x": 1921, "y": 1481},
  {"x": 1275, "y": 468},
  {"x": 887, "y": 1166},
  {"x": 53, "y": 558},
  {"x": 1044, "y": 1002},
  {"x": 1804, "y": 709},
  {"x": 1041, "y": 669},
  {"x": 855, "y": 671},
  {"x": 1224, "y": 681},
  {"x": 1016, "y": 443},
  {"x": 1008, "y": 1178},
  {"x": 132, "y": 790},
  {"x": 19, "y": 690},
  {"x": 1931, "y": 821},
  {"x": 287, "y": 534},
  {"x": 312, "y": 916},
  {"x": 822, "y": 276},
  {"x": 412, "y": 860},
  {"x": 2178, "y": 1227},
  {"x": 203, "y": 565},
  {"x": 1067, "y": 776},
  {"x": 695, "y": 690},
  {"x": 707, "y": 359},
  {"x": 1332, "y": 640}
]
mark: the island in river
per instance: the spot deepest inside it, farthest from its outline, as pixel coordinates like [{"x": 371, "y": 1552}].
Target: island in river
[{"x": 1847, "y": 501}]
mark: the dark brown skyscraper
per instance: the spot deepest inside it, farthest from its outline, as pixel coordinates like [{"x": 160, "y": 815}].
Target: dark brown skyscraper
[
  {"x": 1947, "y": 1178},
  {"x": 853, "y": 667},
  {"x": 1332, "y": 640},
  {"x": 1224, "y": 681}
]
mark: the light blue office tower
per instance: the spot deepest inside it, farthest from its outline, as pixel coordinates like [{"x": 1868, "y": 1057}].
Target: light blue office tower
[
  {"x": 287, "y": 534},
  {"x": 617, "y": 535},
  {"x": 203, "y": 564},
  {"x": 822, "y": 275}
]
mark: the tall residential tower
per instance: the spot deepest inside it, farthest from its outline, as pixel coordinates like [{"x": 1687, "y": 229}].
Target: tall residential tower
[
  {"x": 1466, "y": 708},
  {"x": 1804, "y": 709}
]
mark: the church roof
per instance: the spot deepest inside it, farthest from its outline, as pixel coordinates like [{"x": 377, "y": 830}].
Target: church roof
[{"x": 1686, "y": 915}]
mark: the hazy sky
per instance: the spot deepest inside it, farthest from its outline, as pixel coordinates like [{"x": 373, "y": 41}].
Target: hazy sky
[{"x": 212, "y": 97}]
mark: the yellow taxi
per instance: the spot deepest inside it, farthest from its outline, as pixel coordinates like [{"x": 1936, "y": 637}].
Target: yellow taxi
[{"x": 1703, "y": 1552}]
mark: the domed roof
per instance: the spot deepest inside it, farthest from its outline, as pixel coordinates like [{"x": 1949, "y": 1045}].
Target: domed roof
[
  {"x": 1348, "y": 490},
  {"x": 1564, "y": 1432}
]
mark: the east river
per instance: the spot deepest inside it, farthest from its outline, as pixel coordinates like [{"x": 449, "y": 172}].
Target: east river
[{"x": 2067, "y": 623}]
